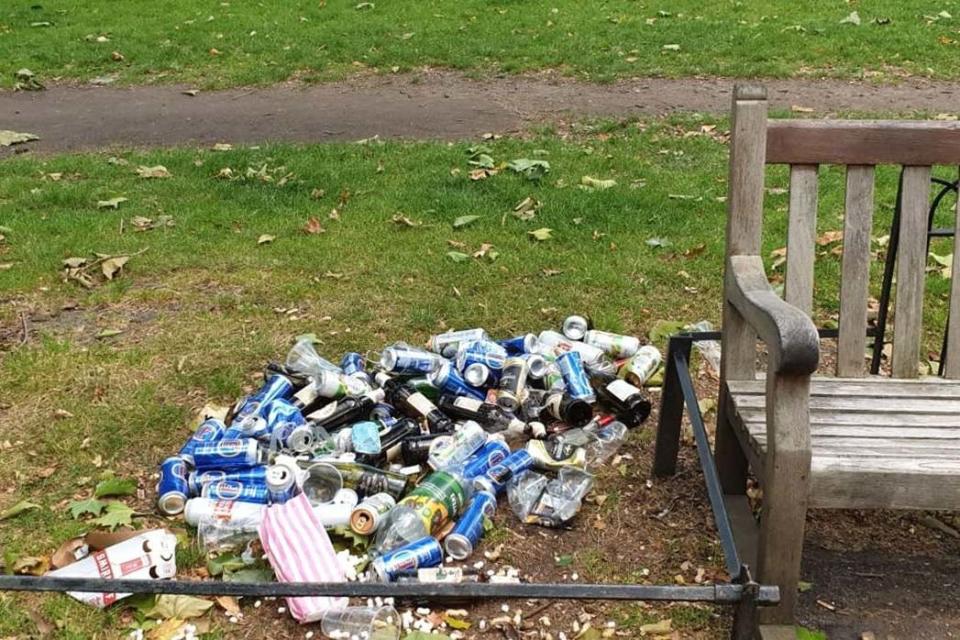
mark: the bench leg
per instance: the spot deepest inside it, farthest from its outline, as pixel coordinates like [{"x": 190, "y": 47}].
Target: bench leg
[
  {"x": 786, "y": 487},
  {"x": 671, "y": 412}
]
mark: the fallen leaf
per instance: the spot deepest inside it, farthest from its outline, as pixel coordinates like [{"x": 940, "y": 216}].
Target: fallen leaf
[
  {"x": 527, "y": 208},
  {"x": 158, "y": 171},
  {"x": 113, "y": 266},
  {"x": 31, "y": 565},
  {"x": 313, "y": 226},
  {"x": 547, "y": 273},
  {"x": 853, "y": 18},
  {"x": 404, "y": 221},
  {"x": 829, "y": 237},
  {"x": 67, "y": 553},
  {"x": 671, "y": 47},
  {"x": 803, "y": 587},
  {"x": 463, "y": 221},
  {"x": 541, "y": 234},
  {"x": 91, "y": 505},
  {"x": 9, "y": 138},
  {"x": 663, "y": 626},
  {"x": 482, "y": 174},
  {"x": 117, "y": 515},
  {"x": 657, "y": 242},
  {"x": 532, "y": 169},
  {"x": 456, "y": 623},
  {"x": 266, "y": 239},
  {"x": 21, "y": 507},
  {"x": 6, "y": 266},
  {"x": 457, "y": 256},
  {"x": 108, "y": 333},
  {"x": 62, "y": 414},
  {"x": 365, "y": 5},
  {"x": 112, "y": 203},
  {"x": 228, "y": 604},
  {"x": 190, "y": 92},
  {"x": 167, "y": 630},
  {"x": 222, "y": 146},
  {"x": 456, "y": 244},
  {"x": 596, "y": 183},
  {"x": 564, "y": 561},
  {"x": 115, "y": 487},
  {"x": 798, "y": 109}
]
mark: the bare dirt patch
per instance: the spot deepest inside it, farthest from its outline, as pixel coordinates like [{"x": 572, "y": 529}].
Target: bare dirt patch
[{"x": 429, "y": 105}]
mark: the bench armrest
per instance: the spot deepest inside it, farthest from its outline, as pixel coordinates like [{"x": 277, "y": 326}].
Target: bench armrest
[{"x": 788, "y": 332}]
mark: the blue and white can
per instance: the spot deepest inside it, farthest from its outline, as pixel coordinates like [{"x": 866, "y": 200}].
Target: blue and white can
[
  {"x": 210, "y": 431},
  {"x": 449, "y": 380},
  {"x": 405, "y": 560},
  {"x": 485, "y": 352},
  {"x": 198, "y": 479},
  {"x": 408, "y": 361},
  {"x": 480, "y": 375},
  {"x": 172, "y": 489},
  {"x": 255, "y": 406},
  {"x": 281, "y": 483},
  {"x": 227, "y": 454},
  {"x": 232, "y": 490},
  {"x": 575, "y": 376},
  {"x": 461, "y": 542},
  {"x": 489, "y": 455},
  {"x": 287, "y": 428},
  {"x": 498, "y": 475},
  {"x": 352, "y": 363},
  {"x": 518, "y": 345}
]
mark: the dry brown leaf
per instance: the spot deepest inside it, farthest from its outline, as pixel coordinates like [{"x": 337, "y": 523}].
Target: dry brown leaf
[
  {"x": 829, "y": 237},
  {"x": 158, "y": 171},
  {"x": 266, "y": 238},
  {"x": 313, "y": 226},
  {"x": 228, "y": 604},
  {"x": 113, "y": 266}
]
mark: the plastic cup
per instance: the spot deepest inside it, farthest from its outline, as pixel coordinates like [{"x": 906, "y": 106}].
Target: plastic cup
[
  {"x": 361, "y": 623},
  {"x": 322, "y": 483}
]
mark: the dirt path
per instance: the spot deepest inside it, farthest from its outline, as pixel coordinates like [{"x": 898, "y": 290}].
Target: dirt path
[{"x": 427, "y": 105}]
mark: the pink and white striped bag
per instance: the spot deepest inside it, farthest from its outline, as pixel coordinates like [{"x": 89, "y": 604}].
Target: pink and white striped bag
[{"x": 299, "y": 550}]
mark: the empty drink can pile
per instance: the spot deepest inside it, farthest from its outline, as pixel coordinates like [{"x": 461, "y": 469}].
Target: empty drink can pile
[{"x": 415, "y": 449}]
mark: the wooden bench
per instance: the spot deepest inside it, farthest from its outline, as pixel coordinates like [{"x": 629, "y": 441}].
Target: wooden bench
[{"x": 854, "y": 441}]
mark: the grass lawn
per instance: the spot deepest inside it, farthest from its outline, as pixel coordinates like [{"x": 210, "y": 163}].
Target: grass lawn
[
  {"x": 204, "y": 306},
  {"x": 211, "y": 43}
]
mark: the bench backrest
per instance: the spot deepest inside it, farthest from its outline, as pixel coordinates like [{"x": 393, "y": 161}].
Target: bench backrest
[{"x": 860, "y": 146}]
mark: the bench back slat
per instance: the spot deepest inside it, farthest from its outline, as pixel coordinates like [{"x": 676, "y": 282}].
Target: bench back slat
[
  {"x": 801, "y": 235},
  {"x": 952, "y": 365},
  {"x": 855, "y": 271},
  {"x": 911, "y": 275}
]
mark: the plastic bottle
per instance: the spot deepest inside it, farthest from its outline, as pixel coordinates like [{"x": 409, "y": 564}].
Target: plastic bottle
[
  {"x": 454, "y": 450},
  {"x": 439, "y": 498}
]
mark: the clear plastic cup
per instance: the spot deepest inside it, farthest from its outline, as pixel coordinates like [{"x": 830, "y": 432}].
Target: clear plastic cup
[
  {"x": 361, "y": 623},
  {"x": 321, "y": 483}
]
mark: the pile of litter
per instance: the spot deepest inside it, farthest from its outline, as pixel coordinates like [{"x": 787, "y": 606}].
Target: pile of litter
[{"x": 402, "y": 455}]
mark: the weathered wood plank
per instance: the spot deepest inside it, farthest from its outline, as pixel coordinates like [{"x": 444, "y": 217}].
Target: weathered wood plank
[
  {"x": 801, "y": 237},
  {"x": 888, "y": 483},
  {"x": 889, "y": 431},
  {"x": 871, "y": 386},
  {"x": 868, "y": 405},
  {"x": 748, "y": 144},
  {"x": 848, "y": 418},
  {"x": 855, "y": 272},
  {"x": 911, "y": 262},
  {"x": 863, "y": 142},
  {"x": 951, "y": 368},
  {"x": 878, "y": 442},
  {"x": 786, "y": 489}
]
